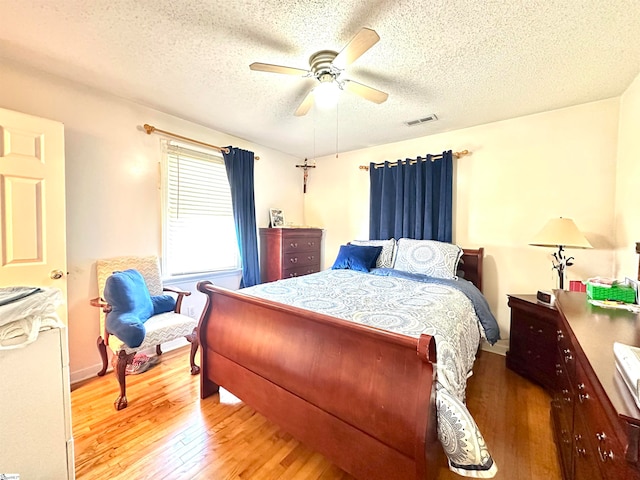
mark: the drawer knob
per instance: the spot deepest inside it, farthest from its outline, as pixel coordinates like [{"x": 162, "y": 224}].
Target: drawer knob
[
  {"x": 294, "y": 274},
  {"x": 582, "y": 395},
  {"x": 294, "y": 260},
  {"x": 311, "y": 257},
  {"x": 567, "y": 355},
  {"x": 580, "y": 451},
  {"x": 560, "y": 335},
  {"x": 604, "y": 454},
  {"x": 294, "y": 244}
]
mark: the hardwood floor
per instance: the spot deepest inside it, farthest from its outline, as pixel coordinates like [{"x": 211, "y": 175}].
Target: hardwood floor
[{"x": 168, "y": 432}]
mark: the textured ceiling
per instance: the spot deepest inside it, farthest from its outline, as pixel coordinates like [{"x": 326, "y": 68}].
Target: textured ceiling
[{"x": 469, "y": 62}]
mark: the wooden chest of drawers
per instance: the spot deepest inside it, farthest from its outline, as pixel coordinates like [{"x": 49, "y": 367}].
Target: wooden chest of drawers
[
  {"x": 289, "y": 252},
  {"x": 595, "y": 421}
]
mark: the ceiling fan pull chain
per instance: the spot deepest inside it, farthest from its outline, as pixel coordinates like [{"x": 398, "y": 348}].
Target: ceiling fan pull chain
[{"x": 337, "y": 116}]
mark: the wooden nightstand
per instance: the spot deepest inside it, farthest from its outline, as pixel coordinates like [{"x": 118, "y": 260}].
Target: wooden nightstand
[{"x": 533, "y": 350}]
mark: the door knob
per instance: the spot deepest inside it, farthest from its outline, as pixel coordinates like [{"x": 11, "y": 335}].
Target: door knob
[{"x": 56, "y": 274}]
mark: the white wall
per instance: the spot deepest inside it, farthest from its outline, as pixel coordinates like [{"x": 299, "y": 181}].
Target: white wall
[
  {"x": 627, "y": 213},
  {"x": 521, "y": 173},
  {"x": 112, "y": 176}
]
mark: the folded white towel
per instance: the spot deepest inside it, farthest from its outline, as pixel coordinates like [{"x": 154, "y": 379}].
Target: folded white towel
[{"x": 26, "y": 315}]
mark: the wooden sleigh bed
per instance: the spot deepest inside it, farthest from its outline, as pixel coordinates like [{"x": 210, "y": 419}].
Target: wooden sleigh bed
[{"x": 363, "y": 397}]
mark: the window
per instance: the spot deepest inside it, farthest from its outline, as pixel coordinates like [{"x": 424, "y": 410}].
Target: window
[{"x": 198, "y": 227}]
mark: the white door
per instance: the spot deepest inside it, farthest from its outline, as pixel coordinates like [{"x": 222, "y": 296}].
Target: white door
[{"x": 32, "y": 203}]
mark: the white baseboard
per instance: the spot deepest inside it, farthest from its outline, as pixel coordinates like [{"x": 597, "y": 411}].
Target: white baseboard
[
  {"x": 501, "y": 347},
  {"x": 85, "y": 373},
  {"x": 90, "y": 372}
]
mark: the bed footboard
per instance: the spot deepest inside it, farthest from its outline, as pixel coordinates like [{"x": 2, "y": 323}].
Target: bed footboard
[{"x": 362, "y": 397}]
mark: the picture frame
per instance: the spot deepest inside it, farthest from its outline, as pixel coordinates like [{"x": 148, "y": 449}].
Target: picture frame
[{"x": 276, "y": 217}]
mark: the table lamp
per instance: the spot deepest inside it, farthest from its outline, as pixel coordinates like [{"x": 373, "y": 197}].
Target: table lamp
[{"x": 561, "y": 233}]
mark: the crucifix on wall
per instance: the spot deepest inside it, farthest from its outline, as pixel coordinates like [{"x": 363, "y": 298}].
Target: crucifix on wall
[{"x": 305, "y": 166}]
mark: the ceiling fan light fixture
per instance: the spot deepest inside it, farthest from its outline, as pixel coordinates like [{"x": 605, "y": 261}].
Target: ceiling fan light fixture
[{"x": 326, "y": 94}]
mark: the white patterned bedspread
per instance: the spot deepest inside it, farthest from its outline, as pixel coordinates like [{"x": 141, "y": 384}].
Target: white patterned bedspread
[{"x": 410, "y": 308}]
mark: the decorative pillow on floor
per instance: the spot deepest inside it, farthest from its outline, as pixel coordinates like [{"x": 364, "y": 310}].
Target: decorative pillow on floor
[{"x": 131, "y": 305}]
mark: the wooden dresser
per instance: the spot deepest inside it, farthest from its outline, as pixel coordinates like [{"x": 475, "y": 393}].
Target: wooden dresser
[
  {"x": 595, "y": 420},
  {"x": 289, "y": 252}
]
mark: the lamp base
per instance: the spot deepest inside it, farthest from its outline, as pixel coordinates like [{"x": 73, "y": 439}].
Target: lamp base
[{"x": 561, "y": 262}]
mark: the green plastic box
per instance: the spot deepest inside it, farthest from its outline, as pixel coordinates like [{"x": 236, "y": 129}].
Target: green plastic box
[{"x": 620, "y": 293}]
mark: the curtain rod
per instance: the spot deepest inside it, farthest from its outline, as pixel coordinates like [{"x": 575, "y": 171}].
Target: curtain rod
[
  {"x": 433, "y": 158},
  {"x": 151, "y": 129}
]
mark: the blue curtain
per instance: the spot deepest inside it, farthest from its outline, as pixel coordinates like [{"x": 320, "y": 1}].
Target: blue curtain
[
  {"x": 239, "y": 166},
  {"x": 412, "y": 200}
]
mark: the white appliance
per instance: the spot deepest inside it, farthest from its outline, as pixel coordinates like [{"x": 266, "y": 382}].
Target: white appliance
[{"x": 35, "y": 409}]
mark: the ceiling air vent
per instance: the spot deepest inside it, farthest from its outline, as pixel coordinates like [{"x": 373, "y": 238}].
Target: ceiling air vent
[{"x": 428, "y": 118}]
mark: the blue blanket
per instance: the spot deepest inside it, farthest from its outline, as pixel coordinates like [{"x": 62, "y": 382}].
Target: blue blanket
[{"x": 488, "y": 321}]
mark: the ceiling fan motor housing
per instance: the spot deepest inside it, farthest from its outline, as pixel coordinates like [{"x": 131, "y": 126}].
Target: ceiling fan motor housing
[{"x": 321, "y": 66}]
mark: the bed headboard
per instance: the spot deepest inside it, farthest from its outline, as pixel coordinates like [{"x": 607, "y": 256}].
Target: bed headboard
[{"x": 471, "y": 265}]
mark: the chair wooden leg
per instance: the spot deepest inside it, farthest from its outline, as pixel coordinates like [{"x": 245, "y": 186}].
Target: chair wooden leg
[
  {"x": 193, "y": 340},
  {"x": 121, "y": 369},
  {"x": 158, "y": 350},
  {"x": 102, "y": 348}
]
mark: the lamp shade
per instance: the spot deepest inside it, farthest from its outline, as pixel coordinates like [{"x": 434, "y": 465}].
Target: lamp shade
[{"x": 560, "y": 232}]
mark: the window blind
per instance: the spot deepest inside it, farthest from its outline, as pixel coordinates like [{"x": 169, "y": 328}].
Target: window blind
[{"x": 199, "y": 230}]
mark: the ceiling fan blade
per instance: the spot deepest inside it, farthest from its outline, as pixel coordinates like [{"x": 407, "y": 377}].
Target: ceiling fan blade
[
  {"x": 267, "y": 67},
  {"x": 363, "y": 41},
  {"x": 306, "y": 104},
  {"x": 368, "y": 93}
]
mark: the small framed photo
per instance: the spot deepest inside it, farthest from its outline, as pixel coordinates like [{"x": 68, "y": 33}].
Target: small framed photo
[{"x": 277, "y": 217}]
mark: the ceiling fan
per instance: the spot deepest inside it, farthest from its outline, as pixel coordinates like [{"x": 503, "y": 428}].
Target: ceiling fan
[{"x": 328, "y": 66}]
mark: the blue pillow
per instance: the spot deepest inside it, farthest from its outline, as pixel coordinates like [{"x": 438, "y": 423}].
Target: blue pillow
[
  {"x": 163, "y": 304},
  {"x": 356, "y": 257},
  {"x": 131, "y": 306}
]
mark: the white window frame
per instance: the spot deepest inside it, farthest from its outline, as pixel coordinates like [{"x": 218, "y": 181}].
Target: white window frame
[{"x": 208, "y": 243}]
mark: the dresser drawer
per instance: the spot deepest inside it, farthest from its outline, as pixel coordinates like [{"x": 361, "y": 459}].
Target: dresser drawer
[
  {"x": 562, "y": 417},
  {"x": 299, "y": 271},
  {"x": 586, "y": 465},
  {"x": 566, "y": 350},
  {"x": 599, "y": 430},
  {"x": 294, "y": 244},
  {"x": 532, "y": 337},
  {"x": 299, "y": 259}
]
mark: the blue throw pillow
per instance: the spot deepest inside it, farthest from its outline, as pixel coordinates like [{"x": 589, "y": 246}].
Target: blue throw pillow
[
  {"x": 131, "y": 306},
  {"x": 163, "y": 304},
  {"x": 355, "y": 257}
]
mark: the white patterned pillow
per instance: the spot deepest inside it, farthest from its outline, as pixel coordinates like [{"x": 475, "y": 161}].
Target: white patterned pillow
[
  {"x": 385, "y": 259},
  {"x": 428, "y": 257}
]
